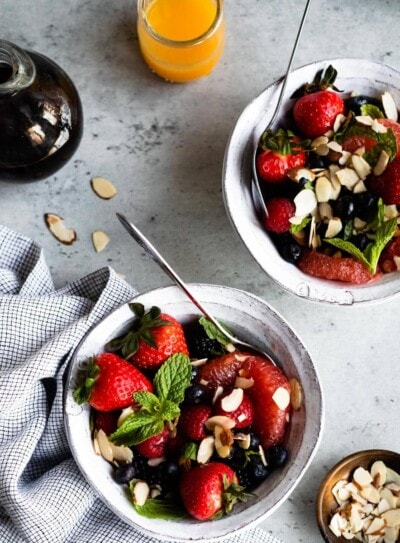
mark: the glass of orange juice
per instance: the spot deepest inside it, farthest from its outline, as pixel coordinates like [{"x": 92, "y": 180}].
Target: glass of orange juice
[{"x": 181, "y": 40}]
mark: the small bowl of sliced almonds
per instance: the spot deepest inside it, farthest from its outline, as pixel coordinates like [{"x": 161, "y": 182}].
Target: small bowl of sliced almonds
[{"x": 359, "y": 499}]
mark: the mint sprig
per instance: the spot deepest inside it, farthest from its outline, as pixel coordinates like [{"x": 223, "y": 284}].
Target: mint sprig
[
  {"x": 161, "y": 508},
  {"x": 383, "y": 231},
  {"x": 372, "y": 111},
  {"x": 170, "y": 383}
]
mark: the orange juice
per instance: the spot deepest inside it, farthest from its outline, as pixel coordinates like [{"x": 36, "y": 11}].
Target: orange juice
[{"x": 181, "y": 40}]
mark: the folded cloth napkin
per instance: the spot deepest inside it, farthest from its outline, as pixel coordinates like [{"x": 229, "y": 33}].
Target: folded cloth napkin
[{"x": 43, "y": 496}]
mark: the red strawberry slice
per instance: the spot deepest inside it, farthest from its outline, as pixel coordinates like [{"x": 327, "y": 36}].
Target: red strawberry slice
[
  {"x": 243, "y": 415},
  {"x": 192, "y": 420},
  {"x": 335, "y": 269},
  {"x": 106, "y": 421},
  {"x": 156, "y": 446},
  {"x": 387, "y": 185},
  {"x": 110, "y": 382},
  {"x": 387, "y": 259},
  {"x": 352, "y": 143},
  {"x": 269, "y": 420},
  {"x": 206, "y": 490}
]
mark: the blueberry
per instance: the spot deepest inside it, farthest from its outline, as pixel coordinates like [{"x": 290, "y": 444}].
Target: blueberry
[
  {"x": 291, "y": 252},
  {"x": 276, "y": 456},
  {"x": 195, "y": 394},
  {"x": 257, "y": 472},
  {"x": 316, "y": 161},
  {"x": 361, "y": 241},
  {"x": 366, "y": 205},
  {"x": 168, "y": 473},
  {"x": 354, "y": 103},
  {"x": 344, "y": 207},
  {"x": 254, "y": 442},
  {"x": 125, "y": 473}
]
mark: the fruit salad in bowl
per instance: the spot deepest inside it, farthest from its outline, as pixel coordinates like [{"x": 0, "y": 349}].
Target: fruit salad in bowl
[
  {"x": 182, "y": 435},
  {"x": 329, "y": 173}
]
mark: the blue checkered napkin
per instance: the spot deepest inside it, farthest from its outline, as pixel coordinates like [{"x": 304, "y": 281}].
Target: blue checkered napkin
[{"x": 43, "y": 496}]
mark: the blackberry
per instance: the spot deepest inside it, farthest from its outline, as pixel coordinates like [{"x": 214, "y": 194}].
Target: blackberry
[
  {"x": 243, "y": 478},
  {"x": 144, "y": 471},
  {"x": 201, "y": 346}
]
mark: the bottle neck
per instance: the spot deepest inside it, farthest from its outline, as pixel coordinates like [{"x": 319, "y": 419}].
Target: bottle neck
[{"x": 17, "y": 69}]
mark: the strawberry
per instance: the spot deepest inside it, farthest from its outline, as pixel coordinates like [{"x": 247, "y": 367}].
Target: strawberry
[
  {"x": 280, "y": 210},
  {"x": 269, "y": 421},
  {"x": 387, "y": 260},
  {"x": 106, "y": 420},
  {"x": 333, "y": 268},
  {"x": 153, "y": 338},
  {"x": 317, "y": 108},
  {"x": 210, "y": 490},
  {"x": 192, "y": 420},
  {"x": 243, "y": 415},
  {"x": 393, "y": 125},
  {"x": 278, "y": 154},
  {"x": 110, "y": 382},
  {"x": 354, "y": 142},
  {"x": 387, "y": 185},
  {"x": 156, "y": 446}
]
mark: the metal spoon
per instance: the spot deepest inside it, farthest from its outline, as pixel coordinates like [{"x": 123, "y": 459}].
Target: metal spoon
[
  {"x": 158, "y": 259},
  {"x": 256, "y": 183}
]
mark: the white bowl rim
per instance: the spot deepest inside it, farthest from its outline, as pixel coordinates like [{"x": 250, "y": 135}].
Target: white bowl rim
[
  {"x": 236, "y": 186},
  {"x": 209, "y": 530}
]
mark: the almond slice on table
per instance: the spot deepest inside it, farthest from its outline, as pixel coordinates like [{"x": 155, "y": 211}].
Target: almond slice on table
[
  {"x": 103, "y": 188},
  {"x": 100, "y": 240},
  {"x": 57, "y": 227}
]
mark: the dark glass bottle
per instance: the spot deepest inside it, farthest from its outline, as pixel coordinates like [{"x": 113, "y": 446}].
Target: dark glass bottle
[{"x": 41, "y": 119}]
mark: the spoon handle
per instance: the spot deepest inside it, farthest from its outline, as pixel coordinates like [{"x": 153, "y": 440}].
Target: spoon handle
[{"x": 160, "y": 260}]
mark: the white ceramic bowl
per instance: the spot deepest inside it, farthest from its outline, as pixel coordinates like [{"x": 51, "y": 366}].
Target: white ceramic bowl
[
  {"x": 363, "y": 76},
  {"x": 251, "y": 318}
]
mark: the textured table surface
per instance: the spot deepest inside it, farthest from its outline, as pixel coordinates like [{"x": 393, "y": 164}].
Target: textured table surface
[{"x": 162, "y": 145}]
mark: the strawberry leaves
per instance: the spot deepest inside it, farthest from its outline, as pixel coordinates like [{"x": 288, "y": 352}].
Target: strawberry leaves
[
  {"x": 170, "y": 383},
  {"x": 82, "y": 393},
  {"x": 128, "y": 343}
]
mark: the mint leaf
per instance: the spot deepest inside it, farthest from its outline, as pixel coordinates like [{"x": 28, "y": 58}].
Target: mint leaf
[
  {"x": 212, "y": 331},
  {"x": 383, "y": 235},
  {"x": 137, "y": 428},
  {"x": 371, "y": 111},
  {"x": 173, "y": 378},
  {"x": 190, "y": 451},
  {"x": 170, "y": 410},
  {"x": 148, "y": 401},
  {"x": 296, "y": 228},
  {"x": 161, "y": 508}
]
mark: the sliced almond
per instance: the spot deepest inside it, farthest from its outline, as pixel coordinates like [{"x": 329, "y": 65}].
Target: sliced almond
[
  {"x": 297, "y": 174},
  {"x": 359, "y": 224},
  {"x": 390, "y": 211},
  {"x": 100, "y": 240},
  {"x": 232, "y": 401},
  {"x": 359, "y": 186},
  {"x": 223, "y": 441},
  {"x": 392, "y": 517},
  {"x": 104, "y": 445},
  {"x": 140, "y": 493},
  {"x": 378, "y": 473},
  {"x": 347, "y": 177},
  {"x": 362, "y": 477},
  {"x": 205, "y": 450},
  {"x": 57, "y": 227},
  {"x": 296, "y": 393},
  {"x": 103, "y": 188},
  {"x": 305, "y": 202},
  {"x": 244, "y": 440},
  {"x": 392, "y": 476},
  {"x": 325, "y": 210},
  {"x": 378, "y": 127},
  {"x": 334, "y": 227},
  {"x": 281, "y": 397},
  {"x": 370, "y": 493},
  {"x": 338, "y": 121},
  {"x": 323, "y": 189},
  {"x": 125, "y": 414},
  {"x": 389, "y": 106},
  {"x": 217, "y": 394},
  {"x": 154, "y": 462},
  {"x": 376, "y": 526},
  {"x": 244, "y": 382},
  {"x": 121, "y": 453},
  {"x": 198, "y": 362},
  {"x": 343, "y": 160},
  {"x": 219, "y": 420},
  {"x": 361, "y": 166},
  {"x": 364, "y": 119},
  {"x": 382, "y": 163}
]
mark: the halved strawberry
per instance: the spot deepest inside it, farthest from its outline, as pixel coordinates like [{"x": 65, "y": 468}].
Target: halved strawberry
[
  {"x": 242, "y": 415},
  {"x": 192, "y": 420},
  {"x": 393, "y": 125},
  {"x": 156, "y": 446},
  {"x": 153, "y": 337},
  {"x": 110, "y": 382},
  {"x": 387, "y": 185},
  {"x": 391, "y": 253}
]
